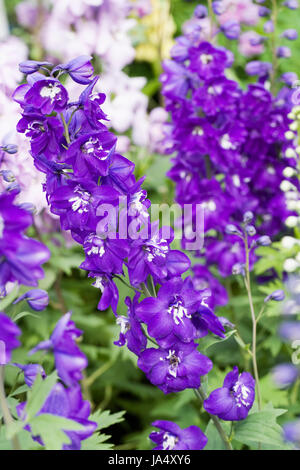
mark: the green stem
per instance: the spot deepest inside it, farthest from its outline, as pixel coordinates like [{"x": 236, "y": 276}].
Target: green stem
[
  {"x": 202, "y": 396},
  {"x": 126, "y": 284},
  {"x": 254, "y": 324},
  {"x": 274, "y": 45},
  {"x": 5, "y": 410},
  {"x": 66, "y": 129}
]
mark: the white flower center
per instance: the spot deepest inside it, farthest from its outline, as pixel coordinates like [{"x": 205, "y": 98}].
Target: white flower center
[
  {"x": 179, "y": 312},
  {"x": 80, "y": 202},
  {"x": 174, "y": 363},
  {"x": 50, "y": 91},
  {"x": 241, "y": 394},
  {"x": 1, "y": 226},
  {"x": 169, "y": 442},
  {"x": 226, "y": 143},
  {"x": 206, "y": 58},
  {"x": 123, "y": 323}
]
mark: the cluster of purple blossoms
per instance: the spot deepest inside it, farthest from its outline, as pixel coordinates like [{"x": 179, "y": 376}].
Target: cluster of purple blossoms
[
  {"x": 230, "y": 147},
  {"x": 93, "y": 190},
  {"x": 20, "y": 257},
  {"x": 65, "y": 399}
]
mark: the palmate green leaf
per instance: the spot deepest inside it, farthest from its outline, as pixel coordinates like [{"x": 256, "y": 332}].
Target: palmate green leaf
[
  {"x": 261, "y": 427},
  {"x": 51, "y": 430},
  {"x": 97, "y": 442},
  {"x": 105, "y": 419},
  {"x": 38, "y": 394}
]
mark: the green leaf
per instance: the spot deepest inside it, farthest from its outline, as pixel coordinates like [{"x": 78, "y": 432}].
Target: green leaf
[
  {"x": 51, "y": 430},
  {"x": 24, "y": 314},
  {"x": 105, "y": 419},
  {"x": 96, "y": 442},
  {"x": 38, "y": 395},
  {"x": 261, "y": 427},
  {"x": 210, "y": 340},
  {"x": 9, "y": 299}
]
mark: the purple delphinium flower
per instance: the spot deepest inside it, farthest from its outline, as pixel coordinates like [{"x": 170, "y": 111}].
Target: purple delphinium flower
[
  {"x": 109, "y": 290},
  {"x": 79, "y": 69},
  {"x": 277, "y": 295},
  {"x": 153, "y": 256},
  {"x": 291, "y": 4},
  {"x": 67, "y": 403},
  {"x": 290, "y": 330},
  {"x": 172, "y": 437},
  {"x": 46, "y": 95},
  {"x": 207, "y": 61},
  {"x": 283, "y": 52},
  {"x": 168, "y": 316},
  {"x": 231, "y": 29},
  {"x": 31, "y": 371},
  {"x": 130, "y": 329},
  {"x": 69, "y": 360},
  {"x": 91, "y": 153},
  {"x": 234, "y": 400},
  {"x": 21, "y": 257},
  {"x": 37, "y": 299},
  {"x": 256, "y": 67},
  {"x": 9, "y": 333},
  {"x": 174, "y": 369},
  {"x": 291, "y": 432},
  {"x": 31, "y": 66},
  {"x": 284, "y": 375},
  {"x": 291, "y": 34}
]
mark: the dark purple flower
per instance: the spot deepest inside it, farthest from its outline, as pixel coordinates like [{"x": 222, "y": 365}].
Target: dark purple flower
[
  {"x": 104, "y": 254},
  {"x": 69, "y": 360},
  {"x": 91, "y": 153},
  {"x": 31, "y": 371},
  {"x": 172, "y": 437},
  {"x": 200, "y": 11},
  {"x": 45, "y": 133},
  {"x": 130, "y": 329},
  {"x": 9, "y": 333},
  {"x": 79, "y": 69},
  {"x": 67, "y": 403},
  {"x": 207, "y": 61},
  {"x": 47, "y": 96},
  {"x": 234, "y": 400},
  {"x": 168, "y": 316},
  {"x": 176, "y": 368},
  {"x": 109, "y": 290},
  {"x": 153, "y": 256},
  {"x": 37, "y": 299}
]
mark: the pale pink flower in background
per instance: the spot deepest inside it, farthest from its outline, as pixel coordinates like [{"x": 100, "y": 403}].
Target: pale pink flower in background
[
  {"x": 245, "y": 46},
  {"x": 12, "y": 52},
  {"x": 243, "y": 11}
]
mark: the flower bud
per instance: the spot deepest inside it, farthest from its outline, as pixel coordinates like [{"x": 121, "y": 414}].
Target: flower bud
[
  {"x": 248, "y": 217},
  {"x": 232, "y": 230},
  {"x": 265, "y": 240},
  {"x": 251, "y": 230},
  {"x": 277, "y": 295},
  {"x": 37, "y": 299}
]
